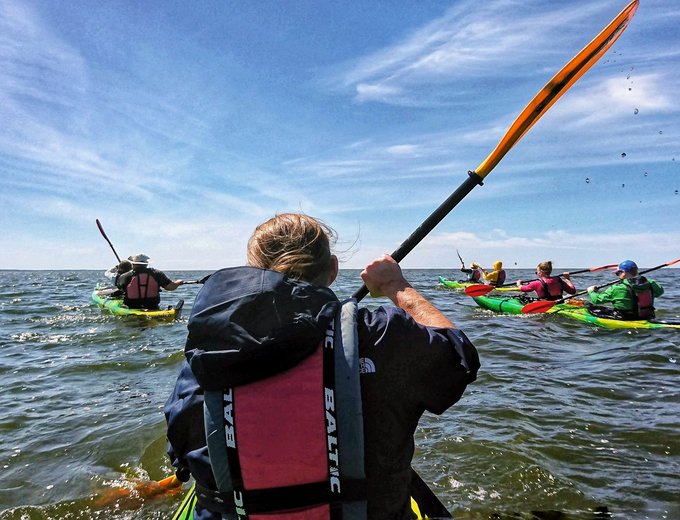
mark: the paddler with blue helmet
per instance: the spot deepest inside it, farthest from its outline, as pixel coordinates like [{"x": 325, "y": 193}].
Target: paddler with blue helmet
[
  {"x": 246, "y": 419},
  {"x": 632, "y": 299}
]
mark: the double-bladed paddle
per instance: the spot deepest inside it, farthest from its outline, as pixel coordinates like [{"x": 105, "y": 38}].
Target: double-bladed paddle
[
  {"x": 545, "y": 305},
  {"x": 538, "y": 106},
  {"x": 482, "y": 289}
]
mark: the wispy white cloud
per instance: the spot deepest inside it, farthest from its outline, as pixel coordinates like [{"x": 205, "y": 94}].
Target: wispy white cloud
[{"x": 470, "y": 40}]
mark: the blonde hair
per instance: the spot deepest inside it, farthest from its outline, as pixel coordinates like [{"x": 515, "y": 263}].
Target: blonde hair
[
  {"x": 545, "y": 267},
  {"x": 294, "y": 244}
]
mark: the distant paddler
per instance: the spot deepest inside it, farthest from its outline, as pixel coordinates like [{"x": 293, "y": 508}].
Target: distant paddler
[
  {"x": 548, "y": 287},
  {"x": 142, "y": 284},
  {"x": 473, "y": 273},
  {"x": 632, "y": 298},
  {"x": 496, "y": 277}
]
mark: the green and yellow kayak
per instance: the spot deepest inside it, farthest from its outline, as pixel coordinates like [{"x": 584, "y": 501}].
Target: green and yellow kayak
[
  {"x": 455, "y": 284},
  {"x": 109, "y": 298},
  {"x": 573, "y": 309}
]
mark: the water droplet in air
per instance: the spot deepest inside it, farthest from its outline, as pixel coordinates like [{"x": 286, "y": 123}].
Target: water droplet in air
[
  {"x": 645, "y": 174},
  {"x": 661, "y": 131},
  {"x": 623, "y": 154},
  {"x": 588, "y": 180},
  {"x": 676, "y": 192},
  {"x": 636, "y": 111},
  {"x": 623, "y": 185}
]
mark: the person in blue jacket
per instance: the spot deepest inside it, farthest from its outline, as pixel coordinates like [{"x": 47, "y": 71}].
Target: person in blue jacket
[{"x": 253, "y": 322}]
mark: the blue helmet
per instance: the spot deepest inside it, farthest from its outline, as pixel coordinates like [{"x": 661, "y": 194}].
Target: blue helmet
[{"x": 626, "y": 266}]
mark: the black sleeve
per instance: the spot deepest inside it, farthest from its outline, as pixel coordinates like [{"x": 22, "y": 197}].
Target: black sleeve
[
  {"x": 423, "y": 366},
  {"x": 160, "y": 277}
]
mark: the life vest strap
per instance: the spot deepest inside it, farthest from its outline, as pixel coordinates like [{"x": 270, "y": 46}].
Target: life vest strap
[{"x": 259, "y": 501}]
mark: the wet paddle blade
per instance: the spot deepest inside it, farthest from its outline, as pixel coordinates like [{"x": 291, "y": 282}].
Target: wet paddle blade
[
  {"x": 558, "y": 85},
  {"x": 131, "y": 495}
]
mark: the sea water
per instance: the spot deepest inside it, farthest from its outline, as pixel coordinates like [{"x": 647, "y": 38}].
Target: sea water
[{"x": 564, "y": 416}]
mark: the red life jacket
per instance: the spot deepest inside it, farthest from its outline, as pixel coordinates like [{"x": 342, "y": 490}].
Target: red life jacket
[
  {"x": 501, "y": 278},
  {"x": 643, "y": 298},
  {"x": 142, "y": 286},
  {"x": 553, "y": 290},
  {"x": 290, "y": 446}
]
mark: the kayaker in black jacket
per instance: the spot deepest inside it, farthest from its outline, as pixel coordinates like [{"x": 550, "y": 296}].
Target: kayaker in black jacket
[{"x": 257, "y": 325}]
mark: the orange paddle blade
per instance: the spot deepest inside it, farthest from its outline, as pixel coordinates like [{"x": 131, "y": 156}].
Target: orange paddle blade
[
  {"x": 558, "y": 85},
  {"x": 478, "y": 290},
  {"x": 139, "y": 490},
  {"x": 539, "y": 306}
]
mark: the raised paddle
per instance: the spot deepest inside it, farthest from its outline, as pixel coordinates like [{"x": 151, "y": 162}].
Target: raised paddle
[
  {"x": 482, "y": 289},
  {"x": 538, "y": 106},
  {"x": 101, "y": 230},
  {"x": 544, "y": 305}
]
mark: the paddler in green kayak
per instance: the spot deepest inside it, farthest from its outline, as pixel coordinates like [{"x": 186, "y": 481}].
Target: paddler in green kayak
[
  {"x": 142, "y": 284},
  {"x": 548, "y": 287},
  {"x": 473, "y": 273},
  {"x": 632, "y": 298}
]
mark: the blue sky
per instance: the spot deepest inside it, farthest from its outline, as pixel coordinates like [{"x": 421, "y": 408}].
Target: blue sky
[{"x": 182, "y": 125}]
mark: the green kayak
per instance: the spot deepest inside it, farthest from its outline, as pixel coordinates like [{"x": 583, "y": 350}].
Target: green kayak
[
  {"x": 455, "y": 284},
  {"x": 109, "y": 298},
  {"x": 575, "y": 311}
]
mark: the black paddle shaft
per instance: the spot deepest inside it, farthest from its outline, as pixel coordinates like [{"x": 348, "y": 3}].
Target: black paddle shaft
[{"x": 429, "y": 224}]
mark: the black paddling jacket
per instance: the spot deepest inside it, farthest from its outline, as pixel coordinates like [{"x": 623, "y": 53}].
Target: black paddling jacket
[{"x": 248, "y": 324}]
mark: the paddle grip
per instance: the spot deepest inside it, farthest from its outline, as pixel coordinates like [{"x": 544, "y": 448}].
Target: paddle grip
[{"x": 429, "y": 224}]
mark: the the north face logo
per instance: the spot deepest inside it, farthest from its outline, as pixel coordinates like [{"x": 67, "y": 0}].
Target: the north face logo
[{"x": 366, "y": 366}]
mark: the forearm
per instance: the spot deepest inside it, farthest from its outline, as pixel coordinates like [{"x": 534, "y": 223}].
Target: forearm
[
  {"x": 416, "y": 306},
  {"x": 173, "y": 285}
]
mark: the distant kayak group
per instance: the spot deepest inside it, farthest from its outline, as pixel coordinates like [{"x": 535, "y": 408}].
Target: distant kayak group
[{"x": 631, "y": 296}]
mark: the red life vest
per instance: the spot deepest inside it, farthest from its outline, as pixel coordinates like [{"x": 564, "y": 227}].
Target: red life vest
[
  {"x": 501, "y": 278},
  {"x": 552, "y": 287},
  {"x": 290, "y": 447},
  {"x": 643, "y": 298},
  {"x": 142, "y": 286}
]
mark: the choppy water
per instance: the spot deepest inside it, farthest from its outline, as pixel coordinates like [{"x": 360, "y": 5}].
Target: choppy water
[{"x": 564, "y": 416}]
